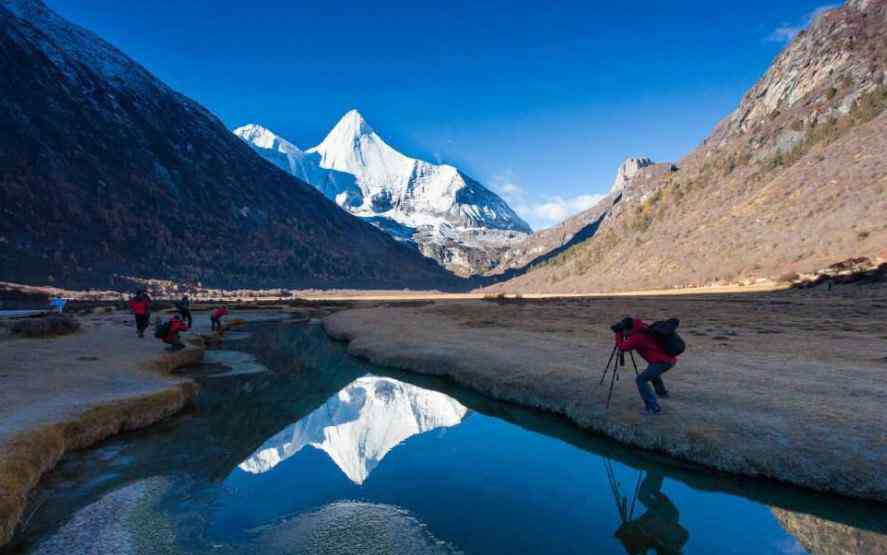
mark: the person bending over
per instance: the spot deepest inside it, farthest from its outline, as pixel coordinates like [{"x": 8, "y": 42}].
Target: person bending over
[
  {"x": 176, "y": 325},
  {"x": 636, "y": 337},
  {"x": 216, "y": 318}
]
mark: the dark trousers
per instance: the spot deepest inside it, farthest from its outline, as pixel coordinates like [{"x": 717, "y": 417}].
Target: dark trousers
[
  {"x": 142, "y": 321},
  {"x": 653, "y": 374},
  {"x": 175, "y": 344},
  {"x": 216, "y": 324},
  {"x": 186, "y": 316}
]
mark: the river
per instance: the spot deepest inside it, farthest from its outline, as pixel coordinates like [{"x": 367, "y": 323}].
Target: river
[{"x": 295, "y": 447}]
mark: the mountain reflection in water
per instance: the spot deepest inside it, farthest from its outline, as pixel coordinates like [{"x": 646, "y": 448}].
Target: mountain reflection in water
[
  {"x": 359, "y": 425},
  {"x": 232, "y": 476}
]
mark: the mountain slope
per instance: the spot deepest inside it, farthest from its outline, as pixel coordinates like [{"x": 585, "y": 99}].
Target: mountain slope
[
  {"x": 793, "y": 181},
  {"x": 547, "y": 243},
  {"x": 449, "y": 216},
  {"x": 104, "y": 170}
]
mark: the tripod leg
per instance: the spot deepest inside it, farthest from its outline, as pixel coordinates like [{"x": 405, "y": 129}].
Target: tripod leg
[
  {"x": 604, "y": 375},
  {"x": 635, "y": 363},
  {"x": 613, "y": 379}
]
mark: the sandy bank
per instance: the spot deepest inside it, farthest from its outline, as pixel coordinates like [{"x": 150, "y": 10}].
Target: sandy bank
[
  {"x": 781, "y": 385},
  {"x": 64, "y": 393},
  {"x": 331, "y": 296}
]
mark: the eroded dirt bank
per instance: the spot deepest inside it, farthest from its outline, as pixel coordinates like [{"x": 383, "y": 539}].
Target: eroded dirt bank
[
  {"x": 785, "y": 385},
  {"x": 65, "y": 393}
]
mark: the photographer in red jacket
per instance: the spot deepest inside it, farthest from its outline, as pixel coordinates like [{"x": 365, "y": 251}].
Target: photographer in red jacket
[
  {"x": 171, "y": 338},
  {"x": 631, "y": 334}
]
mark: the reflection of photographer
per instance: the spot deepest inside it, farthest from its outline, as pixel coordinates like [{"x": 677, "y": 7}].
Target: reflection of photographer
[
  {"x": 659, "y": 345},
  {"x": 657, "y": 529}
]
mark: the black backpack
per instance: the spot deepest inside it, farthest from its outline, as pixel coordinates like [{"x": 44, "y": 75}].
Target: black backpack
[
  {"x": 665, "y": 332},
  {"x": 162, "y": 329}
]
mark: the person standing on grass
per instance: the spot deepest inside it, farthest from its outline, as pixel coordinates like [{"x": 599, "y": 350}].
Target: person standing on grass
[
  {"x": 57, "y": 304},
  {"x": 141, "y": 309},
  {"x": 636, "y": 337},
  {"x": 216, "y": 317},
  {"x": 184, "y": 308}
]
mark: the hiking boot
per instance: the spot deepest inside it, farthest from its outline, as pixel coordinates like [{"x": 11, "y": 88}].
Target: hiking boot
[{"x": 653, "y": 410}]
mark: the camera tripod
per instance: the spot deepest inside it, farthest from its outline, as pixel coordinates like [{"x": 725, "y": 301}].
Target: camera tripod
[{"x": 617, "y": 359}]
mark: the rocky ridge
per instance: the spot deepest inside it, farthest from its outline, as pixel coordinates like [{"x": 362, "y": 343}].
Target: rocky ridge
[
  {"x": 548, "y": 243},
  {"x": 627, "y": 170}
]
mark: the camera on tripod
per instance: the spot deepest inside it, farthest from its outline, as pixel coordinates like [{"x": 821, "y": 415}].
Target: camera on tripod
[
  {"x": 624, "y": 325},
  {"x": 617, "y": 357}
]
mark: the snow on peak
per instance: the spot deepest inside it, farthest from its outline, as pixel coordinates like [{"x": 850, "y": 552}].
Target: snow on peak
[
  {"x": 359, "y": 425},
  {"x": 409, "y": 191},
  {"x": 263, "y": 137},
  {"x": 352, "y": 124},
  {"x": 353, "y": 147},
  {"x": 351, "y": 133},
  {"x": 411, "y": 199}
]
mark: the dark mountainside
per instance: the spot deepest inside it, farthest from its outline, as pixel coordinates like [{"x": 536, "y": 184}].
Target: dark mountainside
[
  {"x": 106, "y": 171},
  {"x": 793, "y": 181}
]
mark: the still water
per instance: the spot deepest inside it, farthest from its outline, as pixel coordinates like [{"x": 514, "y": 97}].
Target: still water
[{"x": 295, "y": 447}]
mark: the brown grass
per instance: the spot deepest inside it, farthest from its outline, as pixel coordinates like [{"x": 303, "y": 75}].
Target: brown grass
[
  {"x": 168, "y": 363},
  {"x": 44, "y": 326}
]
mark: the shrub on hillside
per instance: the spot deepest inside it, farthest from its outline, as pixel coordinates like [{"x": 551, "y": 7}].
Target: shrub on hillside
[{"x": 44, "y": 326}]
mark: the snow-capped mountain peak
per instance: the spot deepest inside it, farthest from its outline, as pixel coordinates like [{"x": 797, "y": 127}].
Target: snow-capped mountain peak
[
  {"x": 352, "y": 125},
  {"x": 265, "y": 138},
  {"x": 411, "y": 199},
  {"x": 353, "y": 147}
]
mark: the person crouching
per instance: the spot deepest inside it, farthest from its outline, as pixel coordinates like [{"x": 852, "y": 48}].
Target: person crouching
[
  {"x": 171, "y": 338},
  {"x": 216, "y": 317},
  {"x": 633, "y": 335}
]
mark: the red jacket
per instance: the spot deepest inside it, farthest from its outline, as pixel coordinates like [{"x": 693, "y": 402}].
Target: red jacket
[
  {"x": 175, "y": 326},
  {"x": 218, "y": 313},
  {"x": 644, "y": 344},
  {"x": 140, "y": 307}
]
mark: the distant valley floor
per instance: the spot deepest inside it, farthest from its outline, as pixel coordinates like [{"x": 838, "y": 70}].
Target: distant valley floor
[{"x": 787, "y": 385}]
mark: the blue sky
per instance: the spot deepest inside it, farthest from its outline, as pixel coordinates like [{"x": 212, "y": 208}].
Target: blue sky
[{"x": 540, "y": 102}]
